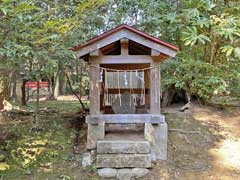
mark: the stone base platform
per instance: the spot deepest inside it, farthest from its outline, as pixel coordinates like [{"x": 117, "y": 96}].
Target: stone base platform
[
  {"x": 126, "y": 135},
  {"x": 123, "y": 147},
  {"x": 123, "y": 154},
  {"x": 124, "y": 160}
]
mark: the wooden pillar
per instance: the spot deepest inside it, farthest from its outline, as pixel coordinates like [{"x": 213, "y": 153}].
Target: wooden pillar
[
  {"x": 95, "y": 131},
  {"x": 155, "y": 88},
  {"x": 124, "y": 46},
  {"x": 94, "y": 89}
]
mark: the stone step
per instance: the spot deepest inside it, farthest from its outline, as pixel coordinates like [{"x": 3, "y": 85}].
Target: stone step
[
  {"x": 123, "y": 147},
  {"x": 123, "y": 161}
]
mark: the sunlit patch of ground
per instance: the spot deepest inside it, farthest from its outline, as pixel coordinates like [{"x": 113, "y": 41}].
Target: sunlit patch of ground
[
  {"x": 211, "y": 154},
  {"x": 71, "y": 98},
  {"x": 227, "y": 154}
]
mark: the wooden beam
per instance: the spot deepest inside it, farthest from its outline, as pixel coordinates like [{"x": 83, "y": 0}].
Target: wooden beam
[
  {"x": 139, "y": 48},
  {"x": 112, "y": 48},
  {"x": 155, "y": 88},
  {"x": 133, "y": 91},
  {"x": 122, "y": 59},
  {"x": 94, "y": 90},
  {"x": 130, "y": 36},
  {"x": 155, "y": 52},
  {"x": 125, "y": 66},
  {"x": 101, "y": 43},
  {"x": 124, "y": 46},
  {"x": 146, "y": 42},
  {"x": 96, "y": 52},
  {"x": 159, "y": 58}
]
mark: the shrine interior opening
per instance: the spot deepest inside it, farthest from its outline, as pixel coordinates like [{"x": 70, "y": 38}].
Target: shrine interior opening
[{"x": 125, "y": 84}]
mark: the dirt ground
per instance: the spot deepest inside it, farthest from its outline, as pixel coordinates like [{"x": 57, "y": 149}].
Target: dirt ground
[
  {"x": 204, "y": 143},
  {"x": 209, "y": 149}
]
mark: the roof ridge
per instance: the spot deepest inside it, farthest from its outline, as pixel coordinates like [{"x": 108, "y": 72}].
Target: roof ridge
[{"x": 118, "y": 28}]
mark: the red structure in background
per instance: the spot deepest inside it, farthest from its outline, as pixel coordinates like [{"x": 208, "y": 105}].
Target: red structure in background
[{"x": 34, "y": 85}]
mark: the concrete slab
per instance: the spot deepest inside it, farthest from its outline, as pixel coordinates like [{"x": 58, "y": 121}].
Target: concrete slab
[{"x": 123, "y": 146}]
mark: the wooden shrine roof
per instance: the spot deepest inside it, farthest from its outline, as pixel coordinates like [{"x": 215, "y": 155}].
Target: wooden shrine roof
[{"x": 97, "y": 41}]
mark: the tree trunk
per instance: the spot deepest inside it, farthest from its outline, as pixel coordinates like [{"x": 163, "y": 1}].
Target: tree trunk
[
  {"x": 23, "y": 99},
  {"x": 71, "y": 88},
  {"x": 56, "y": 87},
  {"x": 213, "y": 50},
  {"x": 54, "y": 91},
  {"x": 37, "y": 101},
  {"x": 3, "y": 89},
  {"x": 168, "y": 96},
  {"x": 63, "y": 85},
  {"x": 13, "y": 87},
  {"x": 188, "y": 105},
  {"x": 14, "y": 90}
]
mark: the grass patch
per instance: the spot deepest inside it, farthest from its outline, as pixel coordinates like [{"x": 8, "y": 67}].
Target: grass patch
[
  {"x": 28, "y": 151},
  {"x": 62, "y": 106}
]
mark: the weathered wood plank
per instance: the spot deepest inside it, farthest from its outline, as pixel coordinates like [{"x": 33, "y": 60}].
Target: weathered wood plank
[
  {"x": 146, "y": 42},
  {"x": 125, "y": 66},
  {"x": 96, "y": 52},
  {"x": 133, "y": 90},
  {"x": 155, "y": 52},
  {"x": 101, "y": 43},
  {"x": 124, "y": 46},
  {"x": 129, "y": 35},
  {"x": 155, "y": 89},
  {"x": 122, "y": 59},
  {"x": 94, "y": 90}
]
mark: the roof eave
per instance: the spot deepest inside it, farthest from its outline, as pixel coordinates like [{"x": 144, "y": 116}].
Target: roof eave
[{"x": 118, "y": 28}]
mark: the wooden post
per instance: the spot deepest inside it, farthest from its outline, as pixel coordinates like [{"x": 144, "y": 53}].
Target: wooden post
[
  {"x": 94, "y": 89},
  {"x": 95, "y": 131},
  {"x": 155, "y": 88},
  {"x": 124, "y": 46}
]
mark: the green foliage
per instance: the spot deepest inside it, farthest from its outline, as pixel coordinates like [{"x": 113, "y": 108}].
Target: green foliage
[
  {"x": 36, "y": 35},
  {"x": 194, "y": 76},
  {"x": 3, "y": 166},
  {"x": 209, "y": 60},
  {"x": 228, "y": 49},
  {"x": 191, "y": 37}
]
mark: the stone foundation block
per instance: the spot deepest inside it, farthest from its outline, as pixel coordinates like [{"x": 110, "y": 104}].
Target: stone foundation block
[
  {"x": 157, "y": 135},
  {"x": 123, "y": 147},
  {"x": 123, "y": 160},
  {"x": 95, "y": 132}
]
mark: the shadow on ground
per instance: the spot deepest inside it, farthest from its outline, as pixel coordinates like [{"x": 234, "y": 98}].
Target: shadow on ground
[
  {"x": 207, "y": 150},
  {"x": 204, "y": 143}
]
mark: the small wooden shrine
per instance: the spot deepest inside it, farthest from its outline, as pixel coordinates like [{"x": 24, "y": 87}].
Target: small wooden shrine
[{"x": 125, "y": 83}]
